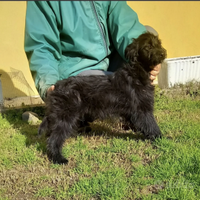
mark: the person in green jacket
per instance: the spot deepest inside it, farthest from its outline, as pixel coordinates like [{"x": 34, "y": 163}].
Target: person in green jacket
[{"x": 70, "y": 38}]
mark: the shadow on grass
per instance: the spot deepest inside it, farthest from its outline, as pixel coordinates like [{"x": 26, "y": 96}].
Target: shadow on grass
[
  {"x": 110, "y": 129},
  {"x": 30, "y": 131}
]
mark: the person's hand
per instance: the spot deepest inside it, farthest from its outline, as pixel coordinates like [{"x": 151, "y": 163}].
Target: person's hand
[
  {"x": 154, "y": 72},
  {"x": 50, "y": 89}
]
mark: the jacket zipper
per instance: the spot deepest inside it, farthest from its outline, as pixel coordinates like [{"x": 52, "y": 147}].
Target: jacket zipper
[{"x": 100, "y": 28}]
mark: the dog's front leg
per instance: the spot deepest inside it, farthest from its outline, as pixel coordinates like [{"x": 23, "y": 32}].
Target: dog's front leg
[{"x": 146, "y": 124}]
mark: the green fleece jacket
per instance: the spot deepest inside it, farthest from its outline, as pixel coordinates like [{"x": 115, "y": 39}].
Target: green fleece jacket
[{"x": 63, "y": 38}]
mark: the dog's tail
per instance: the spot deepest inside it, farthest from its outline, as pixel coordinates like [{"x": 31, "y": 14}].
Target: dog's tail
[{"x": 43, "y": 128}]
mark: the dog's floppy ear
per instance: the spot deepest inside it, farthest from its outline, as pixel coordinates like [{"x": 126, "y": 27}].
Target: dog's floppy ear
[{"x": 131, "y": 51}]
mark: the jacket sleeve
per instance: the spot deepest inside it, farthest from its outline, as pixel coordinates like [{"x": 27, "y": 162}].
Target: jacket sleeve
[
  {"x": 123, "y": 25},
  {"x": 42, "y": 44}
]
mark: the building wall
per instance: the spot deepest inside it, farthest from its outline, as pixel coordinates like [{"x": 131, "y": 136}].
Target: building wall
[
  {"x": 15, "y": 75},
  {"x": 177, "y": 23}
]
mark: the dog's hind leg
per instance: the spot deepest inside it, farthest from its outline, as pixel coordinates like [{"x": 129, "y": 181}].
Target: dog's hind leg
[
  {"x": 146, "y": 124},
  {"x": 60, "y": 131}
]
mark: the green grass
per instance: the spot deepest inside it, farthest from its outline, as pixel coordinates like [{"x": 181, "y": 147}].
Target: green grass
[{"x": 108, "y": 163}]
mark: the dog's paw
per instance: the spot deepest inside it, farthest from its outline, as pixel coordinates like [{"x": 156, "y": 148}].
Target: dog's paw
[
  {"x": 154, "y": 136},
  {"x": 60, "y": 161}
]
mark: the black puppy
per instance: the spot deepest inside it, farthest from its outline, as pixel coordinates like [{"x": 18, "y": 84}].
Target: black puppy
[{"x": 127, "y": 93}]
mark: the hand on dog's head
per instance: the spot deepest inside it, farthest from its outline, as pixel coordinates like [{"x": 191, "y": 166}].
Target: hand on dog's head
[{"x": 147, "y": 50}]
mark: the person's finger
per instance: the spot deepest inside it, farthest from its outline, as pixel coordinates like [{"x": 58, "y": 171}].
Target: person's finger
[
  {"x": 154, "y": 73},
  {"x": 152, "y": 77},
  {"x": 51, "y": 89},
  {"x": 156, "y": 68}
]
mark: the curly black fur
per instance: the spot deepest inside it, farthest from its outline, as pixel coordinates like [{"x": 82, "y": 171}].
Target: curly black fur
[{"x": 127, "y": 93}]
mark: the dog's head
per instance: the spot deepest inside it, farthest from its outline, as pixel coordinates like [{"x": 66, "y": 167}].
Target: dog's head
[{"x": 146, "y": 49}]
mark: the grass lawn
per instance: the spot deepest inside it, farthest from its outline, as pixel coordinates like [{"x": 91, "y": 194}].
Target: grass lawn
[{"x": 108, "y": 163}]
